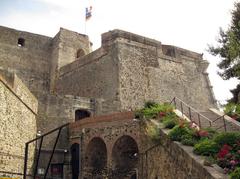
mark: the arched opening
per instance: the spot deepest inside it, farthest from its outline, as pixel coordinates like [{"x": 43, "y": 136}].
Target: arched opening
[
  {"x": 80, "y": 53},
  {"x": 75, "y": 154},
  {"x": 21, "y": 42},
  {"x": 125, "y": 158},
  {"x": 81, "y": 113},
  {"x": 96, "y": 158}
]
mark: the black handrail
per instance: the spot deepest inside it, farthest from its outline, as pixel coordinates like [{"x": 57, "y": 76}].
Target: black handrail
[
  {"x": 190, "y": 109},
  {"x": 59, "y": 129}
]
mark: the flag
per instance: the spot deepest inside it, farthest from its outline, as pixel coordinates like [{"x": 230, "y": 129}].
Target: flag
[{"x": 88, "y": 14}]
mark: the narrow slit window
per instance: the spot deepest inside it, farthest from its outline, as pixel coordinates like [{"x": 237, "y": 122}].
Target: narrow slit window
[{"x": 21, "y": 42}]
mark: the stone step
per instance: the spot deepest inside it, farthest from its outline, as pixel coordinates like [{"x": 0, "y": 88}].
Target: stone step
[{"x": 211, "y": 116}]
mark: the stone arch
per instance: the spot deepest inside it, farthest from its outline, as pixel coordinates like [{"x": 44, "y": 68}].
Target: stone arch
[
  {"x": 125, "y": 159},
  {"x": 96, "y": 157},
  {"x": 80, "y": 53},
  {"x": 81, "y": 114},
  {"x": 75, "y": 158}
]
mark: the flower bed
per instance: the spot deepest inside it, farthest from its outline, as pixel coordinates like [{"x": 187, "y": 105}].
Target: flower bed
[{"x": 220, "y": 148}]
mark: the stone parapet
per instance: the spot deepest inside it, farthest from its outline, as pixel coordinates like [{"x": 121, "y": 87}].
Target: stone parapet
[{"x": 18, "y": 108}]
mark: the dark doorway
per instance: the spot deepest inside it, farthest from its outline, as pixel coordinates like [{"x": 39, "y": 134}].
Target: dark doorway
[
  {"x": 81, "y": 113},
  {"x": 57, "y": 170},
  {"x": 96, "y": 157},
  {"x": 75, "y": 160},
  {"x": 125, "y": 158}
]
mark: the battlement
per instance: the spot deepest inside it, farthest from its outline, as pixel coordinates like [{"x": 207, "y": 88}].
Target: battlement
[{"x": 175, "y": 52}]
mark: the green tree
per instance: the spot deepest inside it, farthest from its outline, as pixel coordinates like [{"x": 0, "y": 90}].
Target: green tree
[{"x": 229, "y": 50}]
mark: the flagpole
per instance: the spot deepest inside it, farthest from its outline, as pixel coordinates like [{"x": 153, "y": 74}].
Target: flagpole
[
  {"x": 85, "y": 27},
  {"x": 88, "y": 15}
]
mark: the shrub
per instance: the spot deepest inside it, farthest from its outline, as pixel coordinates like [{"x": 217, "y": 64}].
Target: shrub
[
  {"x": 235, "y": 174},
  {"x": 177, "y": 132},
  {"x": 229, "y": 138},
  {"x": 150, "y": 104},
  {"x": 206, "y": 147},
  {"x": 152, "y": 110},
  {"x": 189, "y": 140},
  {"x": 233, "y": 110},
  {"x": 152, "y": 131},
  {"x": 170, "y": 123},
  {"x": 211, "y": 132},
  {"x": 139, "y": 114},
  {"x": 229, "y": 109}
]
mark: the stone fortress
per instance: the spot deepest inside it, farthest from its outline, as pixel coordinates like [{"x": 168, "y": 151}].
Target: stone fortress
[{"x": 46, "y": 82}]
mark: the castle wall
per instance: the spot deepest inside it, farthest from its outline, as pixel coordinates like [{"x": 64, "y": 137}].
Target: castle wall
[
  {"x": 30, "y": 62},
  {"x": 36, "y": 63},
  {"x": 129, "y": 70},
  {"x": 18, "y": 108},
  {"x": 68, "y": 46},
  {"x": 94, "y": 75},
  {"x": 152, "y": 71},
  {"x": 58, "y": 111}
]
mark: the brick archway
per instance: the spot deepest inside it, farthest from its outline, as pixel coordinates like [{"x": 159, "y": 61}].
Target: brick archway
[
  {"x": 125, "y": 159},
  {"x": 95, "y": 161}
]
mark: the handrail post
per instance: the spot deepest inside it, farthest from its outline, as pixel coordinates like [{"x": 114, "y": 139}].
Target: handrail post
[
  {"x": 25, "y": 161},
  {"x": 174, "y": 101},
  {"x": 210, "y": 123},
  {"x": 38, "y": 156},
  {"x": 181, "y": 108},
  {"x": 54, "y": 147},
  {"x": 199, "y": 120},
  {"x": 224, "y": 123},
  {"x": 190, "y": 115}
]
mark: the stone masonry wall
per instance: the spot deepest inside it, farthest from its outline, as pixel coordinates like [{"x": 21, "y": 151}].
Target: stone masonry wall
[
  {"x": 172, "y": 159},
  {"x": 65, "y": 46},
  {"x": 18, "y": 108},
  {"x": 149, "y": 70},
  {"x": 30, "y": 62},
  {"x": 163, "y": 160},
  {"x": 129, "y": 70},
  {"x": 94, "y": 75}
]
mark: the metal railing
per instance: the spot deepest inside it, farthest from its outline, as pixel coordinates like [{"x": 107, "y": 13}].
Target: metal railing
[
  {"x": 196, "y": 117},
  {"x": 41, "y": 138}
]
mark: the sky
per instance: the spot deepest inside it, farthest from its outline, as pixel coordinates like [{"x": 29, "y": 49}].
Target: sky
[{"x": 190, "y": 24}]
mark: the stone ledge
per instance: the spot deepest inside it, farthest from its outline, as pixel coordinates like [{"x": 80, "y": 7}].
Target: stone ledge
[
  {"x": 121, "y": 116},
  {"x": 17, "y": 87},
  {"x": 109, "y": 37}
]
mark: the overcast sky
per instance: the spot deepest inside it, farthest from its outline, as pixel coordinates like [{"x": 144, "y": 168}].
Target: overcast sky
[{"x": 190, "y": 24}]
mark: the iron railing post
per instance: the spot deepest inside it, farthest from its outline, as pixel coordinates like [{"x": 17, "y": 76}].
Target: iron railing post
[
  {"x": 190, "y": 115},
  {"x": 199, "y": 120},
  {"x": 181, "y": 107},
  {"x": 210, "y": 123},
  {"x": 174, "y": 101},
  {"x": 224, "y": 123},
  {"x": 38, "y": 156},
  {"x": 25, "y": 161},
  {"x": 45, "y": 175}
]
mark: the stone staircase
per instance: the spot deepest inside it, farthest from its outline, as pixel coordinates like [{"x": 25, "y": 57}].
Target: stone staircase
[{"x": 209, "y": 118}]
